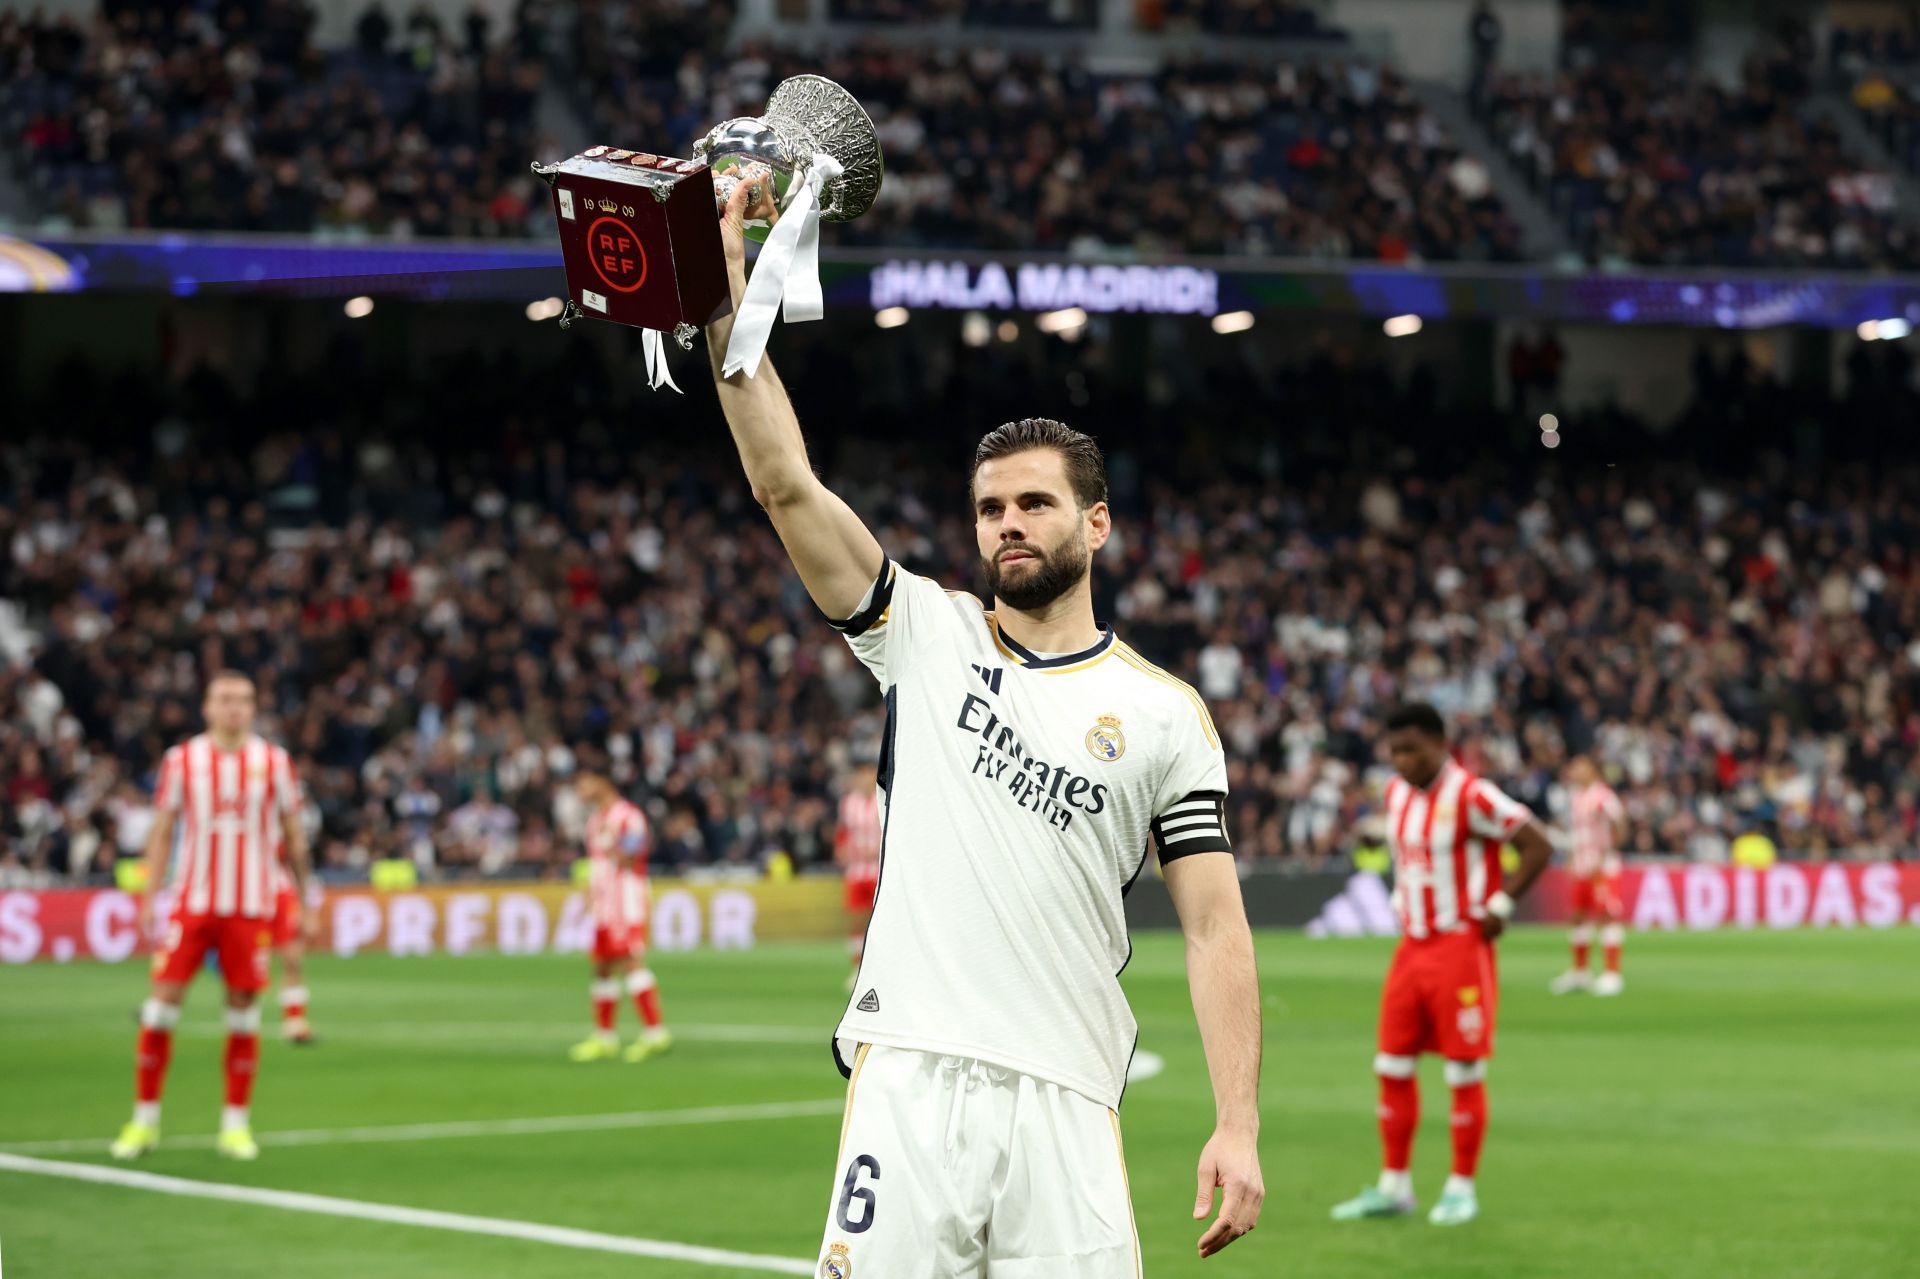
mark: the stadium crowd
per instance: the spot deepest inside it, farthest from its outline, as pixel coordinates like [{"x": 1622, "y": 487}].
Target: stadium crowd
[
  {"x": 1672, "y": 168},
  {"x": 1055, "y": 15},
  {"x": 1850, "y": 49},
  {"x": 169, "y": 117},
  {"x": 1876, "y": 69},
  {"x": 172, "y": 115},
  {"x": 178, "y": 116},
  {"x": 1265, "y": 19},
  {"x": 987, "y": 149},
  {"x": 456, "y": 591}
]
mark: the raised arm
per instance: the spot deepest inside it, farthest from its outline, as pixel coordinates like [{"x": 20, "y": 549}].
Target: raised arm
[
  {"x": 836, "y": 556},
  {"x": 1226, "y": 1002}
]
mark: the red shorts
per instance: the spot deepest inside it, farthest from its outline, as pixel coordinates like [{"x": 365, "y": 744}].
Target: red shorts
[
  {"x": 1440, "y": 997},
  {"x": 860, "y": 893},
  {"x": 1598, "y": 896},
  {"x": 285, "y": 925},
  {"x": 614, "y": 942},
  {"x": 241, "y": 942}
]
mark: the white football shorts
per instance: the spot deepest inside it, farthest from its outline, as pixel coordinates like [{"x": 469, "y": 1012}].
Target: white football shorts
[{"x": 951, "y": 1168}]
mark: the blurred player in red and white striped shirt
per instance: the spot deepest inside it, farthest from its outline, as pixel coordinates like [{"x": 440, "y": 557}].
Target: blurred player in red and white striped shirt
[
  {"x": 1599, "y": 823},
  {"x": 618, "y": 842},
  {"x": 237, "y": 803},
  {"x": 856, "y": 847},
  {"x": 1446, "y": 827}
]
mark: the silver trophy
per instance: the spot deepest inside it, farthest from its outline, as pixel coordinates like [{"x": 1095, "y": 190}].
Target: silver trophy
[
  {"x": 657, "y": 263},
  {"x": 806, "y": 116},
  {"x": 823, "y": 157}
]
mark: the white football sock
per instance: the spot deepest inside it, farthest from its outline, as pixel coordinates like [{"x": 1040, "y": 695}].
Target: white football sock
[
  {"x": 159, "y": 1016},
  {"x": 1458, "y": 1185},
  {"x": 1396, "y": 1185},
  {"x": 232, "y": 1117},
  {"x": 147, "y": 1112}
]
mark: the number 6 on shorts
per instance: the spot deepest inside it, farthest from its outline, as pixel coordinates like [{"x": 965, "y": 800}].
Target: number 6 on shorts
[{"x": 849, "y": 1193}]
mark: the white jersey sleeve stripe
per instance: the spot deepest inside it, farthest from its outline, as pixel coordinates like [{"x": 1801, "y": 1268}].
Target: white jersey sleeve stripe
[
  {"x": 1445, "y": 848},
  {"x": 270, "y": 849},
  {"x": 183, "y": 837},
  {"x": 167, "y": 795},
  {"x": 200, "y": 813},
  {"x": 1201, "y": 827}
]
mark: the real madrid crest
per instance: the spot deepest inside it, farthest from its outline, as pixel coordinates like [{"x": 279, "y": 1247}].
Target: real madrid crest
[
  {"x": 1105, "y": 740},
  {"x": 837, "y": 1264}
]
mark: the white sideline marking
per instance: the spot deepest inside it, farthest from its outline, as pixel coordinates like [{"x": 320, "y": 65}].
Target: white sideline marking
[
  {"x": 1145, "y": 1065},
  {"x": 358, "y": 1210},
  {"x": 473, "y": 1127}
]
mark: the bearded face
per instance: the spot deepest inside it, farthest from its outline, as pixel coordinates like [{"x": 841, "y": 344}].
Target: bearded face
[
  {"x": 1033, "y": 537},
  {"x": 1027, "y": 576}
]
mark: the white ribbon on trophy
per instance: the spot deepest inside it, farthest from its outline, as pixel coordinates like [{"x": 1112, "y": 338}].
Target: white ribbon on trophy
[
  {"x": 653, "y": 344},
  {"x": 786, "y": 276}
]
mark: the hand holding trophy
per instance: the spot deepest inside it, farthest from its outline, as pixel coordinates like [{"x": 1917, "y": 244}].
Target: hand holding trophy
[
  {"x": 642, "y": 246},
  {"x": 745, "y": 200}
]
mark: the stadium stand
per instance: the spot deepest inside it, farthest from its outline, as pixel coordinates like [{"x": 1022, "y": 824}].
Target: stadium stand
[
  {"x": 160, "y": 118},
  {"x": 451, "y": 592},
  {"x": 1670, "y": 167},
  {"x": 1043, "y": 15},
  {"x": 1267, "y": 19},
  {"x": 1879, "y": 70},
  {"x": 175, "y": 116},
  {"x": 1852, "y": 48},
  {"x": 987, "y": 149}
]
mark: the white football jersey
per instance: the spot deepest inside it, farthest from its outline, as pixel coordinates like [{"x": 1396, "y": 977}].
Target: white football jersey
[{"x": 1020, "y": 793}]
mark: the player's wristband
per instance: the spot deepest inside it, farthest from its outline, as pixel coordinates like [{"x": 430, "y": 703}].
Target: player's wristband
[{"x": 1500, "y": 906}]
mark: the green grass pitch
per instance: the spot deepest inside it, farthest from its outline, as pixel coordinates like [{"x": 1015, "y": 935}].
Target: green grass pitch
[{"x": 1750, "y": 1108}]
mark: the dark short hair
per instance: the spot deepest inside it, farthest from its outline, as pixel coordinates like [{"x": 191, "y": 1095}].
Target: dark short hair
[
  {"x": 1417, "y": 715},
  {"x": 1086, "y": 468}
]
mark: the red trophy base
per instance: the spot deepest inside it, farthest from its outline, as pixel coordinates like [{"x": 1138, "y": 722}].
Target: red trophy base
[{"x": 640, "y": 239}]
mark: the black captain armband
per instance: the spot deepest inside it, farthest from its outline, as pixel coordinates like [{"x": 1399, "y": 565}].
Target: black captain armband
[
  {"x": 1196, "y": 824},
  {"x": 878, "y": 600}
]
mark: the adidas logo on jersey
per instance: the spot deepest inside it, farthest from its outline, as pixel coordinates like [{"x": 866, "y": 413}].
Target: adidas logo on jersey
[
  {"x": 869, "y": 1002},
  {"x": 1362, "y": 909},
  {"x": 989, "y": 675}
]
